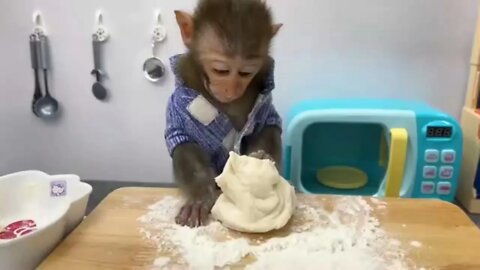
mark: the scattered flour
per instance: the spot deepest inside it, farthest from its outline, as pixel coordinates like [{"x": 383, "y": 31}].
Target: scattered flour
[
  {"x": 377, "y": 201},
  {"x": 395, "y": 242},
  {"x": 161, "y": 262},
  {"x": 415, "y": 244},
  {"x": 380, "y": 205},
  {"x": 347, "y": 236},
  {"x": 129, "y": 201}
]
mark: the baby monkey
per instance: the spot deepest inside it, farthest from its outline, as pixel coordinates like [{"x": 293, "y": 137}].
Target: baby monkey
[{"x": 222, "y": 100}]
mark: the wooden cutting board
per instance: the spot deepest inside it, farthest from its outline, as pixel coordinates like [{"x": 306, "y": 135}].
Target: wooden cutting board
[{"x": 109, "y": 238}]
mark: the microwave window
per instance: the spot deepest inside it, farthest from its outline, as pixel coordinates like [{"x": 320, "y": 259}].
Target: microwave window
[{"x": 439, "y": 132}]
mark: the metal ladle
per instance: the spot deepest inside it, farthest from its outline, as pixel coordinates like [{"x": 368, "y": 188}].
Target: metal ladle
[
  {"x": 34, "y": 54},
  {"x": 47, "y": 106},
  {"x": 153, "y": 67}
]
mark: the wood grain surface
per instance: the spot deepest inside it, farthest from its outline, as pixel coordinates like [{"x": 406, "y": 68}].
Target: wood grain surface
[{"x": 110, "y": 238}]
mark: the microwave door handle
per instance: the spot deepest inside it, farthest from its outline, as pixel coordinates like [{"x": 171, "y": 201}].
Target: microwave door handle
[{"x": 396, "y": 161}]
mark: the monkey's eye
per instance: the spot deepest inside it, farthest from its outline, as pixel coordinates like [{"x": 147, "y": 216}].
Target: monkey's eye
[
  {"x": 244, "y": 74},
  {"x": 222, "y": 72}
]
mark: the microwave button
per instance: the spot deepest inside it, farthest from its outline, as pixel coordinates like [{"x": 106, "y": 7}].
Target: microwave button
[
  {"x": 429, "y": 172},
  {"x": 428, "y": 187},
  {"x": 448, "y": 156},
  {"x": 432, "y": 155},
  {"x": 446, "y": 172},
  {"x": 444, "y": 188}
]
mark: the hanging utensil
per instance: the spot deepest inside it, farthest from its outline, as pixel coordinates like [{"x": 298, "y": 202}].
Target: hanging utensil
[
  {"x": 47, "y": 106},
  {"x": 98, "y": 89},
  {"x": 153, "y": 67},
  {"x": 99, "y": 36},
  {"x": 34, "y": 55}
]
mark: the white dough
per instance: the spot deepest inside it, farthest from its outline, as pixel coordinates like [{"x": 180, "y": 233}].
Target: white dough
[{"x": 255, "y": 198}]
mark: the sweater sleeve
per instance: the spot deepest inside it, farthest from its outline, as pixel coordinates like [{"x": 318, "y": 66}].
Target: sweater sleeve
[
  {"x": 272, "y": 117},
  {"x": 176, "y": 120}
]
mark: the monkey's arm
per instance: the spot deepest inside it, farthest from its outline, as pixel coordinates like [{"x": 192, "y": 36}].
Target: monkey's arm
[
  {"x": 267, "y": 143},
  {"x": 192, "y": 170},
  {"x": 195, "y": 177},
  {"x": 191, "y": 166}
]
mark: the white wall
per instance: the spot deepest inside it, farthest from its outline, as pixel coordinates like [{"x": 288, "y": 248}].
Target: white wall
[{"x": 327, "y": 48}]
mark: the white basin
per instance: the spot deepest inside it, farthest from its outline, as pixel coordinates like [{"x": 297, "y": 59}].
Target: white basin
[{"x": 51, "y": 205}]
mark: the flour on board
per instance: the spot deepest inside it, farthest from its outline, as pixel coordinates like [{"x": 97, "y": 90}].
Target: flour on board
[
  {"x": 380, "y": 205},
  {"x": 161, "y": 262},
  {"x": 415, "y": 244},
  {"x": 347, "y": 236}
]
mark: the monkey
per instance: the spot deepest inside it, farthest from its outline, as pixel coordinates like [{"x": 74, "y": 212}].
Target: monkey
[{"x": 222, "y": 100}]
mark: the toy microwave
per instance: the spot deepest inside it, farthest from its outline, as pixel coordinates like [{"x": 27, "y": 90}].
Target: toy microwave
[{"x": 384, "y": 148}]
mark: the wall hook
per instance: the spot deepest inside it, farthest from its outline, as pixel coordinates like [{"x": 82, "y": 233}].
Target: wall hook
[
  {"x": 38, "y": 29},
  {"x": 99, "y": 17},
  {"x": 158, "y": 16},
  {"x": 159, "y": 31},
  {"x": 101, "y": 33}
]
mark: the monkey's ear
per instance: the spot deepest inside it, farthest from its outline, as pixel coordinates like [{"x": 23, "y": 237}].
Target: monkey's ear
[
  {"x": 275, "y": 28},
  {"x": 185, "y": 23}
]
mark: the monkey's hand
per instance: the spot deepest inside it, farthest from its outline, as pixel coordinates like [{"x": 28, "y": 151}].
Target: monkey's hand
[
  {"x": 261, "y": 154},
  {"x": 196, "y": 178},
  {"x": 267, "y": 144},
  {"x": 196, "y": 210}
]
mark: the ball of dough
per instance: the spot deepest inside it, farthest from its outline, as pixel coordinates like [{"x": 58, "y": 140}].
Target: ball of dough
[{"x": 255, "y": 197}]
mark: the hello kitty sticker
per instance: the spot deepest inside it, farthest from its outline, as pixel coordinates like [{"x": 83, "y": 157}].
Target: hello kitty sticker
[{"x": 58, "y": 188}]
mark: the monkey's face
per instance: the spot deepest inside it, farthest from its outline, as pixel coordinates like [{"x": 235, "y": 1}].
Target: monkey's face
[
  {"x": 228, "y": 75},
  {"x": 229, "y": 40},
  {"x": 228, "y": 78}
]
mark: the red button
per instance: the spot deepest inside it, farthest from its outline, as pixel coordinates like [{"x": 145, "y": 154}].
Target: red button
[
  {"x": 428, "y": 187},
  {"x": 444, "y": 188}
]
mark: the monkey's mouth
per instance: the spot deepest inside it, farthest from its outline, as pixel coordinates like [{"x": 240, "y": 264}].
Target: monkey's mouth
[{"x": 224, "y": 99}]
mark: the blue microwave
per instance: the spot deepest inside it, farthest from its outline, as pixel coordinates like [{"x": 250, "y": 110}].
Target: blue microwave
[{"x": 372, "y": 147}]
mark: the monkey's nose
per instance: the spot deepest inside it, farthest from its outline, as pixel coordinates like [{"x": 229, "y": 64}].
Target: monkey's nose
[
  {"x": 227, "y": 93},
  {"x": 232, "y": 93}
]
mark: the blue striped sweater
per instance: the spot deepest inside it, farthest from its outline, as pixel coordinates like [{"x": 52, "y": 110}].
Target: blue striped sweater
[{"x": 191, "y": 118}]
